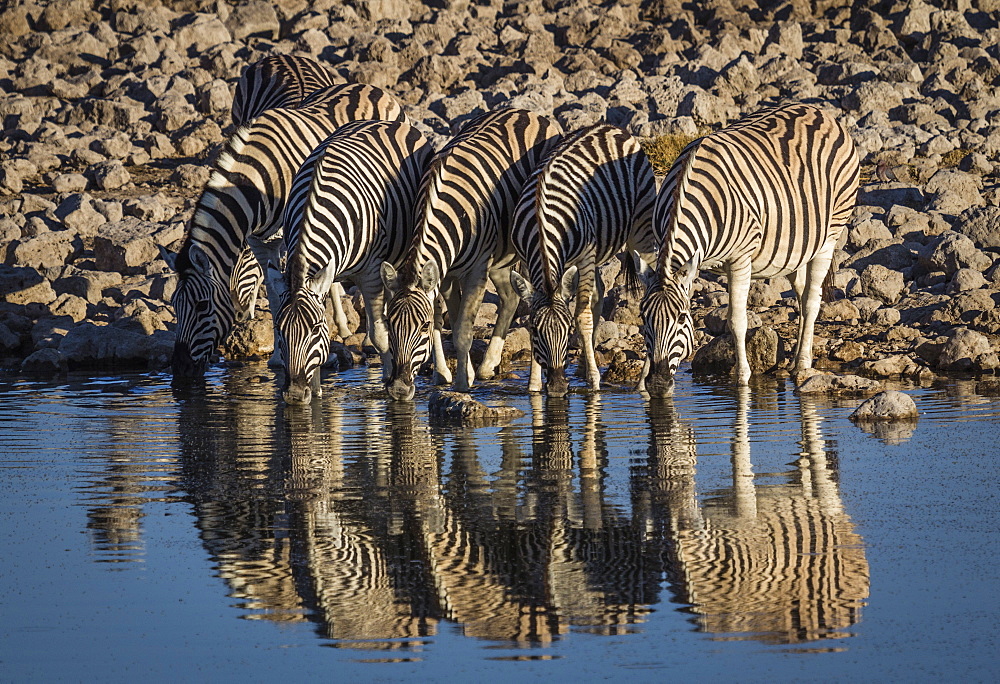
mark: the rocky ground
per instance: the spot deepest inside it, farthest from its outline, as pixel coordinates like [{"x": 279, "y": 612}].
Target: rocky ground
[{"x": 112, "y": 112}]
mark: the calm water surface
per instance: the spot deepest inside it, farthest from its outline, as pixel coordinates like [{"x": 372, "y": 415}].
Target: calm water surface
[{"x": 726, "y": 534}]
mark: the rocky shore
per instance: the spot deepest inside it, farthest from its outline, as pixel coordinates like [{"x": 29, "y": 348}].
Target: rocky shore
[{"x": 112, "y": 112}]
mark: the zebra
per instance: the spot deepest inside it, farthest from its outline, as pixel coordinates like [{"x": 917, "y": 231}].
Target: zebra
[
  {"x": 350, "y": 208},
  {"x": 243, "y": 202},
  {"x": 767, "y": 196},
  {"x": 466, "y": 203},
  {"x": 275, "y": 81},
  {"x": 590, "y": 198}
]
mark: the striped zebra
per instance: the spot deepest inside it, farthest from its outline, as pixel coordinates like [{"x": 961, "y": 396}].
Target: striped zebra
[
  {"x": 243, "y": 203},
  {"x": 767, "y": 196},
  {"x": 590, "y": 198},
  {"x": 349, "y": 210},
  {"x": 275, "y": 81},
  {"x": 466, "y": 204}
]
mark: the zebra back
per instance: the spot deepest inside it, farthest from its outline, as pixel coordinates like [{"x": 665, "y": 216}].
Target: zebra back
[
  {"x": 468, "y": 194},
  {"x": 277, "y": 81},
  {"x": 252, "y": 176},
  {"x": 352, "y": 201},
  {"x": 779, "y": 185},
  {"x": 593, "y": 193}
]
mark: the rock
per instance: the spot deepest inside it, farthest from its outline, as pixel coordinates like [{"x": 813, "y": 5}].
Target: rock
[
  {"x": 882, "y": 283},
  {"x": 45, "y": 362},
  {"x": 827, "y": 383},
  {"x": 840, "y": 310},
  {"x": 864, "y": 232},
  {"x": 625, "y": 368},
  {"x": 718, "y": 356},
  {"x": 126, "y": 246},
  {"x": 954, "y": 191},
  {"x": 202, "y": 33},
  {"x": 22, "y": 286},
  {"x": 342, "y": 357},
  {"x": 48, "y": 250},
  {"x": 952, "y": 251},
  {"x": 888, "y": 405},
  {"x": 256, "y": 17},
  {"x": 252, "y": 339},
  {"x": 965, "y": 279},
  {"x": 191, "y": 175},
  {"x": 894, "y": 365},
  {"x": 847, "y": 351},
  {"x": 967, "y": 350},
  {"x": 462, "y": 408},
  {"x": 981, "y": 225},
  {"x": 78, "y": 214},
  {"x": 88, "y": 285},
  {"x": 886, "y": 316},
  {"x": 109, "y": 175},
  {"x": 93, "y": 346},
  {"x": 763, "y": 350}
]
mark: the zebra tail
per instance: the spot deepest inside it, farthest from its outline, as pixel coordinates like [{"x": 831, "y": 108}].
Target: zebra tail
[{"x": 633, "y": 285}]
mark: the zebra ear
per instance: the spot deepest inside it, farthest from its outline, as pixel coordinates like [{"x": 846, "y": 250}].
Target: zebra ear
[
  {"x": 687, "y": 273},
  {"x": 430, "y": 277},
  {"x": 276, "y": 281},
  {"x": 645, "y": 272},
  {"x": 522, "y": 286},
  {"x": 199, "y": 259},
  {"x": 570, "y": 282},
  {"x": 169, "y": 257},
  {"x": 390, "y": 279},
  {"x": 321, "y": 282}
]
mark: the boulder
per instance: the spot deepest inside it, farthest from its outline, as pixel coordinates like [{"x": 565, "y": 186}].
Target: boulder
[
  {"x": 47, "y": 250},
  {"x": 967, "y": 350},
  {"x": 256, "y": 17},
  {"x": 952, "y": 251},
  {"x": 882, "y": 283},
  {"x": 763, "y": 350},
  {"x": 109, "y": 175},
  {"x": 45, "y": 362},
  {"x": 981, "y": 225},
  {"x": 954, "y": 191},
  {"x": 827, "y": 383},
  {"x": 625, "y": 368},
  {"x": 126, "y": 246},
  {"x": 78, "y": 214},
  {"x": 888, "y": 405},
  {"x": 892, "y": 366},
  {"x": 253, "y": 339},
  {"x": 94, "y": 346},
  {"x": 461, "y": 408}
]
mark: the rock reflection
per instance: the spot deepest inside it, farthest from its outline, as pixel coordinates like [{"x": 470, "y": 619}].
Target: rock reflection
[
  {"x": 779, "y": 563},
  {"x": 375, "y": 525}
]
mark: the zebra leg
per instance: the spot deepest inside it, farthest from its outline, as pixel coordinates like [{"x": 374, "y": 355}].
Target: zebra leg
[
  {"x": 269, "y": 251},
  {"x": 586, "y": 294},
  {"x": 450, "y": 299},
  {"x": 809, "y": 303},
  {"x": 739, "y": 290},
  {"x": 373, "y": 293},
  {"x": 505, "y": 314},
  {"x": 473, "y": 288},
  {"x": 336, "y": 295}
]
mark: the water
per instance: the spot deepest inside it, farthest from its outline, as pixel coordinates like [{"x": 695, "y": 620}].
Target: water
[{"x": 728, "y": 534}]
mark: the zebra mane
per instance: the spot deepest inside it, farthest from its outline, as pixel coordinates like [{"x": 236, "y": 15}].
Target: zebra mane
[
  {"x": 680, "y": 190},
  {"x": 409, "y": 271},
  {"x": 209, "y": 200}
]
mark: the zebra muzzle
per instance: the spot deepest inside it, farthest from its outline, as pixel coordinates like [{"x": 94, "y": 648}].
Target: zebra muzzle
[{"x": 183, "y": 365}]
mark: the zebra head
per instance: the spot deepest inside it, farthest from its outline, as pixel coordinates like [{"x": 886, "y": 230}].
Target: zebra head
[
  {"x": 551, "y": 322},
  {"x": 409, "y": 316},
  {"x": 302, "y": 332},
  {"x": 666, "y": 324},
  {"x": 204, "y": 309}
]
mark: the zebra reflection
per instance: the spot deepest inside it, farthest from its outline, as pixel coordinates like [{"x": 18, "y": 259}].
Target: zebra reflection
[{"x": 780, "y": 563}]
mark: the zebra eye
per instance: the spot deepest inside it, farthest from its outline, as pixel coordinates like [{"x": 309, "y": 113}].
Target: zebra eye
[
  {"x": 201, "y": 307},
  {"x": 425, "y": 327}
]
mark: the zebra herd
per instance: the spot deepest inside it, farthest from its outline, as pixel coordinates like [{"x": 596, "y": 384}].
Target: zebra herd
[{"x": 322, "y": 182}]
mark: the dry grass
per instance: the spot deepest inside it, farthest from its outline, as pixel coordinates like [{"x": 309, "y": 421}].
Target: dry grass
[
  {"x": 952, "y": 159},
  {"x": 663, "y": 150}
]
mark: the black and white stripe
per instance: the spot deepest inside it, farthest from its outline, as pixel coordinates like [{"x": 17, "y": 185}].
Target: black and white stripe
[
  {"x": 350, "y": 209},
  {"x": 277, "y": 81},
  {"x": 592, "y": 197},
  {"x": 466, "y": 204},
  {"x": 767, "y": 196},
  {"x": 243, "y": 202}
]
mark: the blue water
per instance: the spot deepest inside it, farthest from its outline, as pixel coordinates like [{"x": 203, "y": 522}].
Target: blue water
[{"x": 749, "y": 535}]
